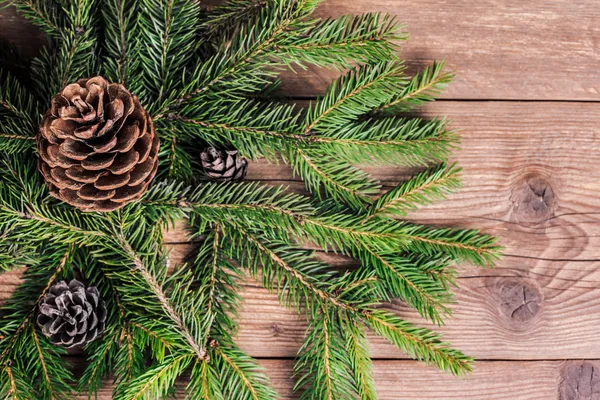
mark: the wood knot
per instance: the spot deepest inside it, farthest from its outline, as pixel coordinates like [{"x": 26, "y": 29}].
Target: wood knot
[
  {"x": 580, "y": 381},
  {"x": 519, "y": 301},
  {"x": 533, "y": 200},
  {"x": 277, "y": 330}
]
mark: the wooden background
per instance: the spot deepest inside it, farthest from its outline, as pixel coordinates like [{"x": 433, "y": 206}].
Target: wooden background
[{"x": 526, "y": 98}]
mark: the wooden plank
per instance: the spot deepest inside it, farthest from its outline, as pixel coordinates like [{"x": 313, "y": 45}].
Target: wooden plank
[
  {"x": 506, "y": 313},
  {"x": 22, "y": 34},
  {"x": 531, "y": 177},
  {"x": 496, "y": 380},
  {"x": 500, "y": 49},
  {"x": 511, "y": 151}
]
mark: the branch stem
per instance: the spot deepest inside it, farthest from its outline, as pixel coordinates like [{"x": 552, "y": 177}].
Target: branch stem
[{"x": 161, "y": 296}]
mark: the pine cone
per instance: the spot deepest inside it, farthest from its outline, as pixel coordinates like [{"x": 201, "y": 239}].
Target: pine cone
[
  {"x": 71, "y": 315},
  {"x": 98, "y": 148},
  {"x": 224, "y": 165}
]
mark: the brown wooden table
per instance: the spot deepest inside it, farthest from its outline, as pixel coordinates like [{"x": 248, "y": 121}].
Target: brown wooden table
[{"x": 526, "y": 99}]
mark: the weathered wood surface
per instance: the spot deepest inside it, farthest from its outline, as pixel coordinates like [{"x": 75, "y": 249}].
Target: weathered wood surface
[
  {"x": 497, "y": 380},
  {"x": 531, "y": 176},
  {"x": 500, "y": 49}
]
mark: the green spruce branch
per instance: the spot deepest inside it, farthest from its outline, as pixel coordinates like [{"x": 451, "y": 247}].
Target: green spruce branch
[{"x": 210, "y": 77}]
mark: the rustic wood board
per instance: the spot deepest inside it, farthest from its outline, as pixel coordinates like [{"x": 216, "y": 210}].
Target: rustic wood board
[
  {"x": 531, "y": 176},
  {"x": 496, "y": 380},
  {"x": 528, "y": 178},
  {"x": 500, "y": 49}
]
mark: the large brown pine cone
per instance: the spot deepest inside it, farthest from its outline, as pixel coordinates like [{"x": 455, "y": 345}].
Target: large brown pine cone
[
  {"x": 98, "y": 148},
  {"x": 72, "y": 315},
  {"x": 224, "y": 165}
]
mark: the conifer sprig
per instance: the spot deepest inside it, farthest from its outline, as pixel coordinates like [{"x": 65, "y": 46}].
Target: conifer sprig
[{"x": 211, "y": 78}]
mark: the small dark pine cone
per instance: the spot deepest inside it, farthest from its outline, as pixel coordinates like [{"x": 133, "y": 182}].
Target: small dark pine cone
[
  {"x": 97, "y": 145},
  {"x": 224, "y": 165},
  {"x": 72, "y": 315}
]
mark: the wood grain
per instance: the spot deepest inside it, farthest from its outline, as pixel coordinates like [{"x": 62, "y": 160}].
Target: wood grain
[
  {"x": 406, "y": 380},
  {"x": 500, "y": 49},
  {"x": 531, "y": 176},
  {"x": 551, "y": 241}
]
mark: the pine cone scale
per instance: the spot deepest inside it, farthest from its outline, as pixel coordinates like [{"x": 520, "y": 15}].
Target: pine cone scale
[
  {"x": 99, "y": 161},
  {"x": 79, "y": 174},
  {"x": 90, "y": 192},
  {"x": 97, "y": 145}
]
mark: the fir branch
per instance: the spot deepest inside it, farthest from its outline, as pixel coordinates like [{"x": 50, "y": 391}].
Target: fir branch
[
  {"x": 240, "y": 64},
  {"x": 226, "y": 16},
  {"x": 332, "y": 228},
  {"x": 353, "y": 95},
  {"x": 423, "y": 87},
  {"x": 198, "y": 348},
  {"x": 44, "y": 14},
  {"x": 255, "y": 128},
  {"x": 402, "y": 278},
  {"x": 204, "y": 383},
  {"x": 211, "y": 283},
  {"x": 116, "y": 351},
  {"x": 45, "y": 223},
  {"x": 9, "y": 136},
  {"x": 27, "y": 319},
  {"x": 419, "y": 343},
  {"x": 390, "y": 141},
  {"x": 324, "y": 363},
  {"x": 15, "y": 254},
  {"x": 241, "y": 378},
  {"x": 71, "y": 59},
  {"x": 175, "y": 161},
  {"x": 99, "y": 363},
  {"x": 120, "y": 28},
  {"x": 461, "y": 244},
  {"x": 360, "y": 360},
  {"x": 218, "y": 280},
  {"x": 156, "y": 382},
  {"x": 343, "y": 42},
  {"x": 72, "y": 55},
  {"x": 168, "y": 28},
  {"x": 277, "y": 269},
  {"x": 19, "y": 110},
  {"x": 21, "y": 346},
  {"x": 423, "y": 189},
  {"x": 340, "y": 180},
  {"x": 315, "y": 289}
]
